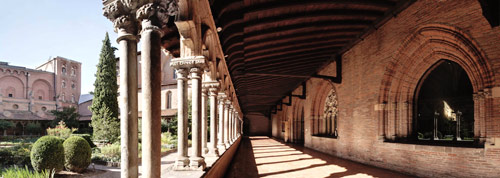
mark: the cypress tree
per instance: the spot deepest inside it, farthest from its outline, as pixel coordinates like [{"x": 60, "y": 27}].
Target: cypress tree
[{"x": 104, "y": 107}]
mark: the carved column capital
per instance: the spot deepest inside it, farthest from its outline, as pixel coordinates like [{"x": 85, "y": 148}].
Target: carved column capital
[
  {"x": 120, "y": 13},
  {"x": 181, "y": 73},
  {"x": 157, "y": 13}
]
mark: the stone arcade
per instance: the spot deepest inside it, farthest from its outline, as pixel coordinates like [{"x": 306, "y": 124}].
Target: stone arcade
[{"x": 406, "y": 85}]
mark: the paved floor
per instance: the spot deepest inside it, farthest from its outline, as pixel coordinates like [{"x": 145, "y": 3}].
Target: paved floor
[
  {"x": 265, "y": 157},
  {"x": 167, "y": 163}
]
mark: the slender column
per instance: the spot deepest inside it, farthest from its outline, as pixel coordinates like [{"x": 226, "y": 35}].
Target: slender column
[
  {"x": 128, "y": 103},
  {"x": 235, "y": 125},
  {"x": 231, "y": 123},
  {"x": 229, "y": 119},
  {"x": 126, "y": 26},
  {"x": 182, "y": 65},
  {"x": 197, "y": 162},
  {"x": 227, "y": 104},
  {"x": 204, "y": 134},
  {"x": 212, "y": 92},
  {"x": 182, "y": 160},
  {"x": 151, "y": 87},
  {"x": 220, "y": 144}
]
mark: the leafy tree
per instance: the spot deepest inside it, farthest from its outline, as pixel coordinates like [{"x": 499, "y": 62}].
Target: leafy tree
[
  {"x": 104, "y": 107},
  {"x": 4, "y": 125},
  {"x": 68, "y": 114}
]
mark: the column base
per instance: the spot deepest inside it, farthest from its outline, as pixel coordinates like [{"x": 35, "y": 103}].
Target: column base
[
  {"x": 213, "y": 152},
  {"x": 228, "y": 145},
  {"x": 181, "y": 164},
  {"x": 197, "y": 163},
  {"x": 221, "y": 147}
]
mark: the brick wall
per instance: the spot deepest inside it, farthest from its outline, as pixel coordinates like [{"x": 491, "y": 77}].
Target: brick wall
[{"x": 380, "y": 75}]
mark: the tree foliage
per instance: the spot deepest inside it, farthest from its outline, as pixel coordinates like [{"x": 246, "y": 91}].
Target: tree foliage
[
  {"x": 68, "y": 114},
  {"x": 6, "y": 125},
  {"x": 104, "y": 107}
]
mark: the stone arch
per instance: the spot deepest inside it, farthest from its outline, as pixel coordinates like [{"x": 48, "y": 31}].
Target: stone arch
[
  {"x": 298, "y": 120},
  {"x": 418, "y": 53},
  {"x": 317, "y": 110},
  {"x": 16, "y": 86},
  {"x": 42, "y": 89},
  {"x": 210, "y": 42}
]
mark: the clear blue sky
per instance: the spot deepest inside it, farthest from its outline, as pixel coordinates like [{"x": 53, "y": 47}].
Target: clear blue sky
[{"x": 33, "y": 30}]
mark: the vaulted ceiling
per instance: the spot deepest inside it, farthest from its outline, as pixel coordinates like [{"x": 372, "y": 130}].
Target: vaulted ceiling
[{"x": 272, "y": 46}]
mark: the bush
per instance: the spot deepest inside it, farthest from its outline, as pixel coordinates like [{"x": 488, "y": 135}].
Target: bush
[
  {"x": 77, "y": 153},
  {"x": 34, "y": 128},
  {"x": 61, "y": 131},
  {"x": 110, "y": 153},
  {"x": 16, "y": 155},
  {"x": 6, "y": 125},
  {"x": 168, "y": 139},
  {"x": 48, "y": 153},
  {"x": 16, "y": 172},
  {"x": 86, "y": 137}
]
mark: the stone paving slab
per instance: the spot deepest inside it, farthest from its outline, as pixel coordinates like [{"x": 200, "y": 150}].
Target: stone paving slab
[
  {"x": 266, "y": 157},
  {"x": 167, "y": 163}
]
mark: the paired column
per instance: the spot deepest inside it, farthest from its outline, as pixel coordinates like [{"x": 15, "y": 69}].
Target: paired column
[
  {"x": 221, "y": 140},
  {"x": 126, "y": 17},
  {"x": 197, "y": 162},
  {"x": 194, "y": 65},
  {"x": 212, "y": 94},
  {"x": 230, "y": 124},
  {"x": 227, "y": 105},
  {"x": 204, "y": 147},
  {"x": 182, "y": 161},
  {"x": 128, "y": 99}
]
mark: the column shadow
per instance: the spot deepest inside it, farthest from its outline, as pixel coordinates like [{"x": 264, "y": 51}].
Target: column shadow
[{"x": 243, "y": 164}]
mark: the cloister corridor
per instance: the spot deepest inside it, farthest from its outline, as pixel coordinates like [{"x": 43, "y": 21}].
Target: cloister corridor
[{"x": 261, "y": 156}]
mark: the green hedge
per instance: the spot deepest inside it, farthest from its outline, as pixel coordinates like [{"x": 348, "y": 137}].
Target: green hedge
[
  {"x": 86, "y": 137},
  {"x": 77, "y": 153},
  {"x": 48, "y": 154}
]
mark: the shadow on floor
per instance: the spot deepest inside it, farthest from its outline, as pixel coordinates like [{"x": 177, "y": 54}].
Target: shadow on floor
[
  {"x": 243, "y": 164},
  {"x": 277, "y": 159}
]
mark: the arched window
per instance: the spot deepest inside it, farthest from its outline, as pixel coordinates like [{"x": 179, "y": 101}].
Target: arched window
[
  {"x": 63, "y": 97},
  {"x": 73, "y": 86},
  {"x": 169, "y": 100},
  {"x": 73, "y": 71},
  {"x": 63, "y": 84},
  {"x": 445, "y": 106},
  {"x": 63, "y": 69},
  {"x": 327, "y": 125},
  {"x": 175, "y": 75},
  {"x": 72, "y": 98}
]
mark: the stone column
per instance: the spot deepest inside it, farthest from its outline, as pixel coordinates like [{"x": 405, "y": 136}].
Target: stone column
[
  {"x": 235, "y": 125},
  {"x": 182, "y": 161},
  {"x": 197, "y": 162},
  {"x": 204, "y": 118},
  {"x": 125, "y": 25},
  {"x": 227, "y": 104},
  {"x": 128, "y": 102},
  {"x": 230, "y": 122},
  {"x": 151, "y": 87},
  {"x": 220, "y": 141},
  {"x": 212, "y": 92}
]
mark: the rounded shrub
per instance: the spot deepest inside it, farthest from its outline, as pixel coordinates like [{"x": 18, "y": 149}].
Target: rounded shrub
[
  {"x": 77, "y": 154},
  {"x": 47, "y": 153}
]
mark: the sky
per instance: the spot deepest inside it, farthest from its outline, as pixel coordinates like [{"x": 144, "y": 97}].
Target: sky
[{"x": 32, "y": 31}]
